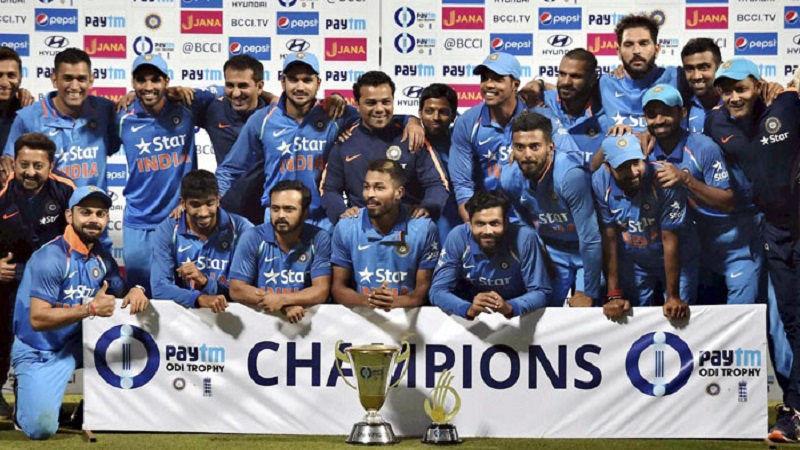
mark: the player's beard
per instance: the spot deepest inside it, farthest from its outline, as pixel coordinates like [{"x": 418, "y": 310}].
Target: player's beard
[
  {"x": 640, "y": 73},
  {"x": 283, "y": 226},
  {"x": 81, "y": 230}
]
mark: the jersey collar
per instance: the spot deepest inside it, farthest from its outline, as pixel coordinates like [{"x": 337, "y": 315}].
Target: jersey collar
[
  {"x": 223, "y": 223},
  {"x": 75, "y": 243},
  {"x": 677, "y": 154},
  {"x": 486, "y": 119},
  {"x": 398, "y": 230}
]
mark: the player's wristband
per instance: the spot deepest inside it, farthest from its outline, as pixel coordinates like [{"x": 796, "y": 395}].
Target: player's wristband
[
  {"x": 92, "y": 309},
  {"x": 616, "y": 294}
]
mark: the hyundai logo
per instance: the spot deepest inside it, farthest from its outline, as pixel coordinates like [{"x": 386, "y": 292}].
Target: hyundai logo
[
  {"x": 796, "y": 40},
  {"x": 56, "y": 41},
  {"x": 412, "y": 91},
  {"x": 559, "y": 40},
  {"x": 297, "y": 45}
]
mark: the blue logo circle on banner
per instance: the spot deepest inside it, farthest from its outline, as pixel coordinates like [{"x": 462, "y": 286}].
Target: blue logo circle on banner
[
  {"x": 660, "y": 387},
  {"x": 404, "y": 43},
  {"x": 405, "y": 17},
  {"x": 125, "y": 381}
]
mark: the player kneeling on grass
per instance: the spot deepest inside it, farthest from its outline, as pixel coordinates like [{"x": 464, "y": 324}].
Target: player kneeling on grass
[
  {"x": 490, "y": 265},
  {"x": 67, "y": 280},
  {"x": 284, "y": 265}
]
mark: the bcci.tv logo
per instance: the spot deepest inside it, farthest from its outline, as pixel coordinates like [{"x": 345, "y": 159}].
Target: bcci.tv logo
[
  {"x": 517, "y": 44},
  {"x": 257, "y": 47},
  {"x": 121, "y": 345},
  {"x": 665, "y": 347},
  {"x": 750, "y": 44},
  {"x": 559, "y": 18},
  {"x": 791, "y": 17},
  {"x": 48, "y": 19},
  {"x": 298, "y": 23}
]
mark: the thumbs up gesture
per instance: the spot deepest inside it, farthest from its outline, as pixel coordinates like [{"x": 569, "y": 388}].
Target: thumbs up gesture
[
  {"x": 103, "y": 302},
  {"x": 7, "y": 269}
]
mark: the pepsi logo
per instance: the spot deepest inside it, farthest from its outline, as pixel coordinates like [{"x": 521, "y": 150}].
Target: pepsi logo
[
  {"x": 497, "y": 44},
  {"x": 546, "y": 18},
  {"x": 41, "y": 19},
  {"x": 283, "y": 23},
  {"x": 792, "y": 16},
  {"x": 235, "y": 48},
  {"x": 741, "y": 43}
]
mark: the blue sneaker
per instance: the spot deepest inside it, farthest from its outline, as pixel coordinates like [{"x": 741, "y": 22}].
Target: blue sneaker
[{"x": 786, "y": 426}]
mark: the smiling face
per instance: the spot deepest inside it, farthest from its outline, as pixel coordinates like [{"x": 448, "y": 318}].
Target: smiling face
[
  {"x": 629, "y": 175},
  {"x": 31, "y": 169},
  {"x": 496, "y": 89},
  {"x": 376, "y": 106},
  {"x": 700, "y": 69},
  {"x": 300, "y": 85},
  {"x": 72, "y": 83},
  {"x": 242, "y": 90},
  {"x": 9, "y": 79},
  {"x": 436, "y": 116},
  {"x": 202, "y": 213},
  {"x": 573, "y": 80},
  {"x": 663, "y": 121},
  {"x": 739, "y": 97},
  {"x": 89, "y": 219},
  {"x": 488, "y": 226},
  {"x": 150, "y": 86}
]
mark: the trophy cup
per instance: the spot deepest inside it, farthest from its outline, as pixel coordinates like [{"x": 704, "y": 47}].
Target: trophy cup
[
  {"x": 372, "y": 366},
  {"x": 441, "y": 432}
]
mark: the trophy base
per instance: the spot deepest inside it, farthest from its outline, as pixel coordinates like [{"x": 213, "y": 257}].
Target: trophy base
[
  {"x": 441, "y": 434},
  {"x": 372, "y": 434}
]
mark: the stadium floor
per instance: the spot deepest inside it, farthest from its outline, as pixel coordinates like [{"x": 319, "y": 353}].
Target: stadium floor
[{"x": 69, "y": 439}]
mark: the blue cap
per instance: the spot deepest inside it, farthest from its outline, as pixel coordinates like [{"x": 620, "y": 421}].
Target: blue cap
[
  {"x": 620, "y": 149},
  {"x": 89, "y": 191},
  {"x": 737, "y": 69},
  {"x": 501, "y": 64},
  {"x": 150, "y": 59},
  {"x": 302, "y": 58},
  {"x": 663, "y": 93}
]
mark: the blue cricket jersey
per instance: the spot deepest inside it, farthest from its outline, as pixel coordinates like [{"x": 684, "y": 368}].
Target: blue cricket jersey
[
  {"x": 766, "y": 149},
  {"x": 622, "y": 98},
  {"x": 640, "y": 219},
  {"x": 260, "y": 262},
  {"x": 65, "y": 274},
  {"x": 346, "y": 171},
  {"x": 224, "y": 124},
  {"x": 174, "y": 244},
  {"x": 696, "y": 119},
  {"x": 82, "y": 144},
  {"x": 412, "y": 245},
  {"x": 560, "y": 206},
  {"x": 291, "y": 150},
  {"x": 516, "y": 271},
  {"x": 588, "y": 130},
  {"x": 160, "y": 151}
]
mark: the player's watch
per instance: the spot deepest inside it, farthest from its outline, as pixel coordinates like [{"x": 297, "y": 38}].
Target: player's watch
[{"x": 139, "y": 286}]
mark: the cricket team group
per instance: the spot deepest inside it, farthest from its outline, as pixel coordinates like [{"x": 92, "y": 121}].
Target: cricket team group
[{"x": 649, "y": 186}]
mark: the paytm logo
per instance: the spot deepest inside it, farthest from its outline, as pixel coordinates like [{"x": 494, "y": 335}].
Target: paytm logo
[
  {"x": 518, "y": 44},
  {"x": 48, "y": 19},
  {"x": 303, "y": 23},
  {"x": 257, "y": 47},
  {"x": 201, "y": 3},
  {"x": 791, "y": 17},
  {"x": 20, "y": 43},
  {"x": 750, "y": 44},
  {"x": 559, "y": 18}
]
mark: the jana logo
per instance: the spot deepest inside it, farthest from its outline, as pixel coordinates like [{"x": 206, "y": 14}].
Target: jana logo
[
  {"x": 662, "y": 342},
  {"x": 125, "y": 380}
]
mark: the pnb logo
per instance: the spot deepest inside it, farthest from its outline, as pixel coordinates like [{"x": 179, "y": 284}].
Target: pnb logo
[
  {"x": 519, "y": 44},
  {"x": 133, "y": 353},
  {"x": 405, "y": 17},
  {"x": 56, "y": 19},
  {"x": 559, "y": 18},
  {"x": 670, "y": 364},
  {"x": 20, "y": 43},
  {"x": 304, "y": 23},
  {"x": 791, "y": 17},
  {"x": 257, "y": 47},
  {"x": 755, "y": 44}
]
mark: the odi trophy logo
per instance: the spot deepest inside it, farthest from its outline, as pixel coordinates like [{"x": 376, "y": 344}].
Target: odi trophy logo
[
  {"x": 114, "y": 357},
  {"x": 666, "y": 346}
]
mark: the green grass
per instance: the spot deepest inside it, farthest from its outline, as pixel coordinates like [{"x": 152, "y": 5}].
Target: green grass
[{"x": 68, "y": 439}]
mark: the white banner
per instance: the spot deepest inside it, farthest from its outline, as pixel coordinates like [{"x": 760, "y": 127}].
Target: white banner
[{"x": 554, "y": 373}]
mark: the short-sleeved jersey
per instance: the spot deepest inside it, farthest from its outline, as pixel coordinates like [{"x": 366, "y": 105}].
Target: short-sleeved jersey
[
  {"x": 702, "y": 158},
  {"x": 292, "y": 150},
  {"x": 174, "y": 244},
  {"x": 588, "y": 130},
  {"x": 560, "y": 206},
  {"x": 160, "y": 151},
  {"x": 696, "y": 119},
  {"x": 640, "y": 219},
  {"x": 82, "y": 144},
  {"x": 29, "y": 222},
  {"x": 622, "y": 97},
  {"x": 766, "y": 149},
  {"x": 260, "y": 262},
  {"x": 346, "y": 170},
  {"x": 65, "y": 274},
  {"x": 412, "y": 245},
  {"x": 516, "y": 271}
]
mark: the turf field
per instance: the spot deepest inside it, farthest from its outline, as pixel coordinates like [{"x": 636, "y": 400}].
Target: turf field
[{"x": 70, "y": 439}]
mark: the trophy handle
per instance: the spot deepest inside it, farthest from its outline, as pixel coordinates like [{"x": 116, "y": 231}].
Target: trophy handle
[
  {"x": 403, "y": 357},
  {"x": 342, "y": 356},
  {"x": 452, "y": 414}
]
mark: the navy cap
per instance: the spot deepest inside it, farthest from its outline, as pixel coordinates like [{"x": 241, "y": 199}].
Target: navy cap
[
  {"x": 150, "y": 59},
  {"x": 501, "y": 64},
  {"x": 306, "y": 58},
  {"x": 89, "y": 191},
  {"x": 663, "y": 93},
  {"x": 620, "y": 149},
  {"x": 737, "y": 69}
]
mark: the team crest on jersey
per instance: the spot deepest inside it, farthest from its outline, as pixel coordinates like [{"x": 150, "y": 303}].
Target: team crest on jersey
[
  {"x": 320, "y": 125},
  {"x": 393, "y": 153},
  {"x": 773, "y": 125},
  {"x": 92, "y": 124},
  {"x": 554, "y": 196},
  {"x": 51, "y": 207},
  {"x": 504, "y": 265},
  {"x": 225, "y": 244},
  {"x": 96, "y": 273},
  {"x": 176, "y": 120},
  {"x": 646, "y": 207},
  {"x": 303, "y": 257},
  {"x": 402, "y": 249},
  {"x": 592, "y": 131}
]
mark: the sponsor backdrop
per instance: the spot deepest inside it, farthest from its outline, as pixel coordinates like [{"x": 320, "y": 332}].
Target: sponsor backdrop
[
  {"x": 539, "y": 376},
  {"x": 416, "y": 41}
]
